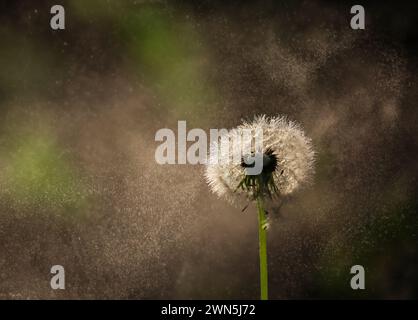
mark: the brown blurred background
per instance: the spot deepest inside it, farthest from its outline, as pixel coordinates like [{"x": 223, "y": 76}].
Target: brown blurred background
[{"x": 79, "y": 185}]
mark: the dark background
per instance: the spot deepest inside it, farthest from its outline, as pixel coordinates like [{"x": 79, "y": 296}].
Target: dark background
[{"x": 79, "y": 185}]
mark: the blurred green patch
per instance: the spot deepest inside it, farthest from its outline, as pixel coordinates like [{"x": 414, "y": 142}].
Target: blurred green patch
[
  {"x": 169, "y": 53},
  {"x": 37, "y": 174},
  {"x": 163, "y": 49}
]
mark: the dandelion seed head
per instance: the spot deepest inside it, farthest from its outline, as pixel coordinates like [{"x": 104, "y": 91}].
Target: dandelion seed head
[{"x": 287, "y": 154}]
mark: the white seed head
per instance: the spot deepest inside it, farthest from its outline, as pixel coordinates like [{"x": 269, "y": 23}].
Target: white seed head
[{"x": 292, "y": 149}]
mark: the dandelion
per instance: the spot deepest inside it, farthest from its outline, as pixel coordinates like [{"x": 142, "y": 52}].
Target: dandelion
[{"x": 287, "y": 165}]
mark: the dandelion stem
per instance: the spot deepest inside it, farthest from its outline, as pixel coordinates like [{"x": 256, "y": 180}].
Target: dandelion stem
[{"x": 262, "y": 237}]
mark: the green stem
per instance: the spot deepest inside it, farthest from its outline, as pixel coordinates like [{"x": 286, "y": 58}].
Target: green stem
[{"x": 262, "y": 238}]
